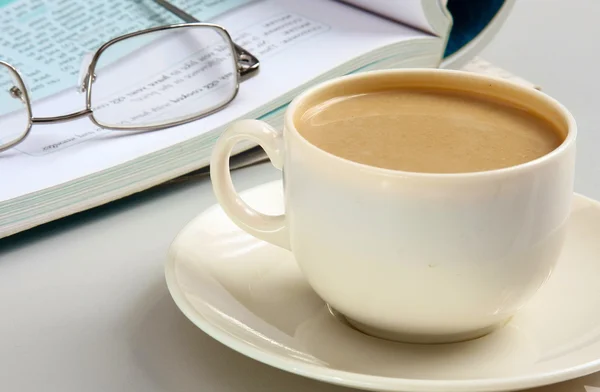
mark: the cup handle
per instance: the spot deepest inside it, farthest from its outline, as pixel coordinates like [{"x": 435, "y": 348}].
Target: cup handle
[{"x": 270, "y": 228}]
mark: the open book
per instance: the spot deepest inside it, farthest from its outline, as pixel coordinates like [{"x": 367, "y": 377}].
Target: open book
[{"x": 61, "y": 169}]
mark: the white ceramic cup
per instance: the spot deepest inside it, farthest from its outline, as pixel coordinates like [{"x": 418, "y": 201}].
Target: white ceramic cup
[{"x": 416, "y": 257}]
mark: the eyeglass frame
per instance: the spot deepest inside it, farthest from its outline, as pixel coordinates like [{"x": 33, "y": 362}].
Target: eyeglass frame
[{"x": 247, "y": 66}]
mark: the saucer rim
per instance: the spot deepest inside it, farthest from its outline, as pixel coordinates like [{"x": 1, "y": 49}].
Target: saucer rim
[{"x": 348, "y": 378}]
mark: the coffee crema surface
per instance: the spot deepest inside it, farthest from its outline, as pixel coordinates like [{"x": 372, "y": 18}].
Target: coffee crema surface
[{"x": 428, "y": 131}]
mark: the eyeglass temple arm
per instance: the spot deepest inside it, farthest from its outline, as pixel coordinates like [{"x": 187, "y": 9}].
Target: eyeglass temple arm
[{"x": 247, "y": 62}]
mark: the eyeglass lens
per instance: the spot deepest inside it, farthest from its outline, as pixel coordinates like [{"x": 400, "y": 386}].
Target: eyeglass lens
[{"x": 163, "y": 77}]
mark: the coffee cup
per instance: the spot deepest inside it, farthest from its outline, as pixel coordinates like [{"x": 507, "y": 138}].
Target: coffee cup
[{"x": 419, "y": 257}]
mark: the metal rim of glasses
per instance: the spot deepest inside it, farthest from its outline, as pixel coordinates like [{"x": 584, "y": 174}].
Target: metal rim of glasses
[{"x": 246, "y": 66}]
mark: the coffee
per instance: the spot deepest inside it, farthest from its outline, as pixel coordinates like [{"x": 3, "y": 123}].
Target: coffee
[{"x": 430, "y": 131}]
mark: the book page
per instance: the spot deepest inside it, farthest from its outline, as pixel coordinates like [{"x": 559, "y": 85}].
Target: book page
[
  {"x": 410, "y": 12},
  {"x": 295, "y": 42}
]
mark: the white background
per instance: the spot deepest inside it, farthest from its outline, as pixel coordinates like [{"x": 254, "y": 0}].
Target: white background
[
  {"x": 83, "y": 302},
  {"x": 551, "y": 43}
]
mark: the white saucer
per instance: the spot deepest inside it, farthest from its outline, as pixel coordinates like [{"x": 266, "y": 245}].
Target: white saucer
[{"x": 251, "y": 296}]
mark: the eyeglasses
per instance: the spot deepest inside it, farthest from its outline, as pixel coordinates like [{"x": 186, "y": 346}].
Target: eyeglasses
[{"x": 143, "y": 81}]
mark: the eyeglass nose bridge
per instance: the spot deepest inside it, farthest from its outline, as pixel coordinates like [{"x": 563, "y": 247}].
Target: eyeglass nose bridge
[
  {"x": 17, "y": 93},
  {"x": 84, "y": 72}
]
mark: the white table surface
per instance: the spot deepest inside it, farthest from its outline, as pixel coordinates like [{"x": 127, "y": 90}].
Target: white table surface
[{"x": 83, "y": 303}]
